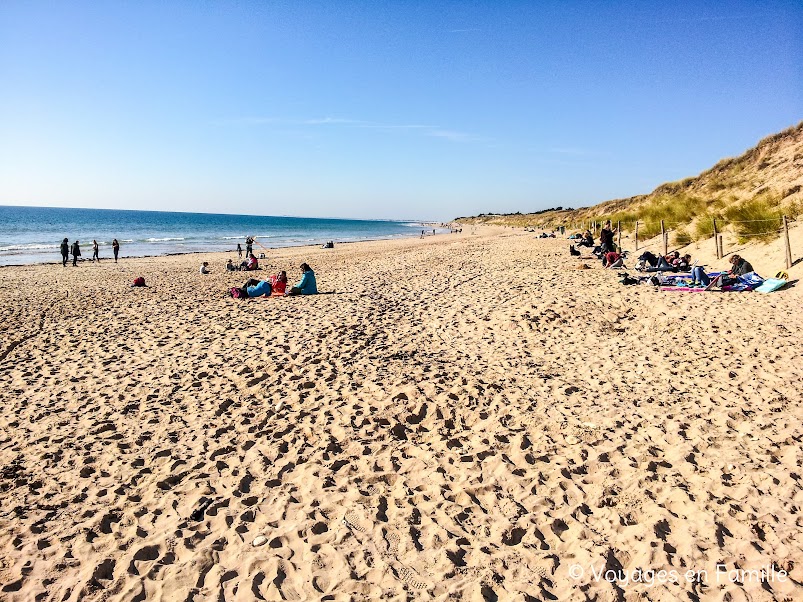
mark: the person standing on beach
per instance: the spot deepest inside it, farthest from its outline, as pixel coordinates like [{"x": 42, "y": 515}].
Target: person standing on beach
[
  {"x": 239, "y": 251},
  {"x": 606, "y": 238},
  {"x": 249, "y": 246},
  {"x": 76, "y": 253},
  {"x": 95, "y": 249},
  {"x": 116, "y": 249},
  {"x": 65, "y": 251}
]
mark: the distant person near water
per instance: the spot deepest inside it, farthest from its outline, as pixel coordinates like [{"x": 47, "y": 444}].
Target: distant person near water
[
  {"x": 116, "y": 249},
  {"x": 307, "y": 284},
  {"x": 76, "y": 253},
  {"x": 65, "y": 252},
  {"x": 249, "y": 246},
  {"x": 95, "y": 250}
]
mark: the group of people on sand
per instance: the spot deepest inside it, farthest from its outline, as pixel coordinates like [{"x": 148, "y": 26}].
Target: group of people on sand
[
  {"x": 673, "y": 262},
  {"x": 276, "y": 285},
  {"x": 75, "y": 250},
  {"x": 613, "y": 257}
]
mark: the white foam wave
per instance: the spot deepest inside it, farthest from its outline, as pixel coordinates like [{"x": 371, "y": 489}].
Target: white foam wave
[
  {"x": 162, "y": 239},
  {"x": 27, "y": 247}
]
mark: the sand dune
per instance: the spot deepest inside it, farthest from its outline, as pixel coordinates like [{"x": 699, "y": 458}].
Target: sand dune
[{"x": 463, "y": 417}]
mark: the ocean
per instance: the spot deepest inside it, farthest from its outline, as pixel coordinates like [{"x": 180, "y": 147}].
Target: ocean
[{"x": 33, "y": 234}]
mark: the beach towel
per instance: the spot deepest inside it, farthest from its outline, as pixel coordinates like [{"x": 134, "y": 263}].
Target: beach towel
[
  {"x": 770, "y": 285},
  {"x": 745, "y": 282}
]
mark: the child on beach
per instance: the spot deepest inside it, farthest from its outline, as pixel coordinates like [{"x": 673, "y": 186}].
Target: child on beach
[
  {"x": 95, "y": 256},
  {"x": 205, "y": 267}
]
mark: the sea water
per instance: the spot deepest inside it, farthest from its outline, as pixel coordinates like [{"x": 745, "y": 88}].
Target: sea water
[{"x": 34, "y": 234}]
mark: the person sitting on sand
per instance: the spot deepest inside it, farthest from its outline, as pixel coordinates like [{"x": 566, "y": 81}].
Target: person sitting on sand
[
  {"x": 739, "y": 266},
  {"x": 611, "y": 259},
  {"x": 279, "y": 282},
  {"x": 307, "y": 284},
  {"x": 230, "y": 266},
  {"x": 205, "y": 267},
  {"x": 699, "y": 277},
  {"x": 587, "y": 240},
  {"x": 250, "y": 265}
]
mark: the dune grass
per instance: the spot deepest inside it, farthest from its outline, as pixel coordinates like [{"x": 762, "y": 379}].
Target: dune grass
[{"x": 758, "y": 218}]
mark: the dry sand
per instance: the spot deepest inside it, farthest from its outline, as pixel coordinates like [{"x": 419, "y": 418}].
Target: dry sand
[{"x": 465, "y": 417}]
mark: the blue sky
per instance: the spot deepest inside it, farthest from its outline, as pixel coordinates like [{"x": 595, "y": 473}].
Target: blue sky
[{"x": 423, "y": 110}]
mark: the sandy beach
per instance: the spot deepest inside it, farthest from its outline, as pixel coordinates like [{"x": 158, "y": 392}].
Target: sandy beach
[{"x": 462, "y": 417}]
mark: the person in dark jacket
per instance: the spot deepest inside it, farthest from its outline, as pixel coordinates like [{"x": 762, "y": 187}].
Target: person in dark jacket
[
  {"x": 606, "y": 238},
  {"x": 76, "y": 253},
  {"x": 65, "y": 251},
  {"x": 739, "y": 266},
  {"x": 116, "y": 249}
]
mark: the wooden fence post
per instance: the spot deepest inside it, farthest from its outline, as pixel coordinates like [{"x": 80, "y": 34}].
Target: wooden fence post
[
  {"x": 720, "y": 246},
  {"x": 636, "y": 235},
  {"x": 786, "y": 243},
  {"x": 716, "y": 238},
  {"x": 663, "y": 237},
  {"x": 619, "y": 229}
]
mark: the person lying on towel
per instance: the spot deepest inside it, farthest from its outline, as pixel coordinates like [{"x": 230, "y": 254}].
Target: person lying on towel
[
  {"x": 307, "y": 284},
  {"x": 683, "y": 263},
  {"x": 258, "y": 288}
]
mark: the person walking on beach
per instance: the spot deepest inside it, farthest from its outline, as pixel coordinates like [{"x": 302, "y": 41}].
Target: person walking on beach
[
  {"x": 95, "y": 256},
  {"x": 65, "y": 252},
  {"x": 76, "y": 253},
  {"x": 239, "y": 251},
  {"x": 116, "y": 249},
  {"x": 249, "y": 246}
]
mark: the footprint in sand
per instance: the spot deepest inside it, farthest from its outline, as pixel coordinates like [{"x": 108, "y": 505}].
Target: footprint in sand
[{"x": 388, "y": 547}]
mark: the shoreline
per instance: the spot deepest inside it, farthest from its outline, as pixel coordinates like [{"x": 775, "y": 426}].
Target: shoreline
[{"x": 130, "y": 257}]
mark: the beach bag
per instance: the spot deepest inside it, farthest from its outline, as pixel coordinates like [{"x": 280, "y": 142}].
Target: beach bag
[
  {"x": 238, "y": 293},
  {"x": 139, "y": 281}
]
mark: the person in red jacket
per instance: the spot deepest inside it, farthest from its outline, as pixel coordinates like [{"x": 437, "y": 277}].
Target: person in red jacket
[
  {"x": 279, "y": 282},
  {"x": 250, "y": 265}
]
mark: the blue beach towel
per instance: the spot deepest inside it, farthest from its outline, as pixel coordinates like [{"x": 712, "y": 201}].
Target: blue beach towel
[{"x": 770, "y": 285}]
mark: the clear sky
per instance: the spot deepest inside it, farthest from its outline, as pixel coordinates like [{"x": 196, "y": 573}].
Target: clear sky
[{"x": 390, "y": 109}]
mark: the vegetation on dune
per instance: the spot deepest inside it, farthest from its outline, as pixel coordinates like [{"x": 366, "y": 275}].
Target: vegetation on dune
[
  {"x": 760, "y": 217},
  {"x": 747, "y": 195}
]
